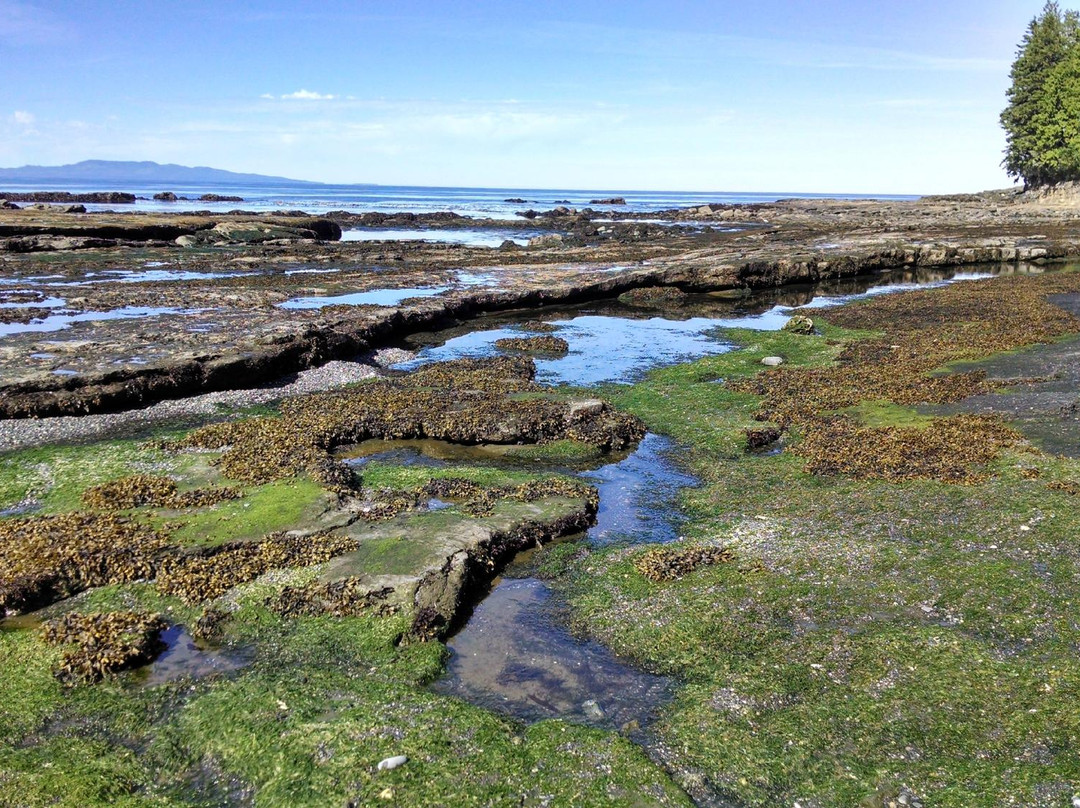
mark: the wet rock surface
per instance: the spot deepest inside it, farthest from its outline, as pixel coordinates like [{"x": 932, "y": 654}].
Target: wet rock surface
[
  {"x": 220, "y": 324},
  {"x": 462, "y": 401}
]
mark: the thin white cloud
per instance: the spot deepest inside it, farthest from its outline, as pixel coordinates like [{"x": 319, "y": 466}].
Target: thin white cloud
[
  {"x": 22, "y": 24},
  {"x": 307, "y": 95},
  {"x": 23, "y": 118}
]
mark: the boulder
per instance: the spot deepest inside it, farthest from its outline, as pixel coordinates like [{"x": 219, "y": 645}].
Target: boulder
[
  {"x": 772, "y": 361},
  {"x": 799, "y": 324},
  {"x": 613, "y": 200},
  {"x": 165, "y": 196},
  {"x": 548, "y": 240}
]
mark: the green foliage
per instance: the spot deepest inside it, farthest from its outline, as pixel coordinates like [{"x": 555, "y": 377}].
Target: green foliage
[{"x": 1041, "y": 124}]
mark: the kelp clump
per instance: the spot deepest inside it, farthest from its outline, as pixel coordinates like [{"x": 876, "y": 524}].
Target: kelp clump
[
  {"x": 922, "y": 332},
  {"x": 538, "y": 327},
  {"x": 348, "y": 597},
  {"x": 148, "y": 489},
  {"x": 946, "y": 449},
  {"x": 104, "y": 642},
  {"x": 198, "y": 578},
  {"x": 548, "y": 345},
  {"x": 46, "y": 558},
  {"x": 477, "y": 500},
  {"x": 462, "y": 401},
  {"x": 671, "y": 563}
]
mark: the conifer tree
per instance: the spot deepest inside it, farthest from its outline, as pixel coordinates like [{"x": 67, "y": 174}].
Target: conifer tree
[{"x": 1038, "y": 130}]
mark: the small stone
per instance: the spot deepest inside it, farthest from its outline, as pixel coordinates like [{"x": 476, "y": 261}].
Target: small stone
[
  {"x": 389, "y": 763},
  {"x": 386, "y": 794},
  {"x": 592, "y": 710},
  {"x": 772, "y": 361}
]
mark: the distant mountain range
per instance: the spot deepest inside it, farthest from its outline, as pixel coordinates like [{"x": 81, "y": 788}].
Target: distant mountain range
[{"x": 125, "y": 171}]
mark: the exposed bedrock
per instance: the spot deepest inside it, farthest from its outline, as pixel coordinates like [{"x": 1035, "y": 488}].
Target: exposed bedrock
[
  {"x": 234, "y": 229},
  {"x": 346, "y": 333}
]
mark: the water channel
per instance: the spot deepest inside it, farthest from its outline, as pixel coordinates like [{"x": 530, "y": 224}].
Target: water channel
[{"x": 516, "y": 653}]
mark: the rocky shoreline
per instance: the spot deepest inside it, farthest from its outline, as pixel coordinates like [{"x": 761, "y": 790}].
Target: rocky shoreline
[
  {"x": 242, "y": 268},
  {"x": 846, "y": 557}
]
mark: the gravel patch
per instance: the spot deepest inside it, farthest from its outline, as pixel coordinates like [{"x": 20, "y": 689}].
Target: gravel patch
[{"x": 24, "y": 433}]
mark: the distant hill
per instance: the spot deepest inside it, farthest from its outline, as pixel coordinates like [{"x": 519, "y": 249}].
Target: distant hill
[{"x": 112, "y": 171}]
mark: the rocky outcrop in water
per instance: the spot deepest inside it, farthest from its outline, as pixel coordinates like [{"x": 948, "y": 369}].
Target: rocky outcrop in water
[{"x": 96, "y": 197}]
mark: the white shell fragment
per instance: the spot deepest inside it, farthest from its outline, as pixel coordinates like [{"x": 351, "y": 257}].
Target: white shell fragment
[{"x": 392, "y": 762}]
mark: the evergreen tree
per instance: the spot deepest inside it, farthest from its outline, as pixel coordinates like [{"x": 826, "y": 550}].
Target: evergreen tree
[
  {"x": 1057, "y": 124},
  {"x": 1036, "y": 127}
]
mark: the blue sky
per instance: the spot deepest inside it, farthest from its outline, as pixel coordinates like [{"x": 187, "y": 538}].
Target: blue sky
[{"x": 894, "y": 96}]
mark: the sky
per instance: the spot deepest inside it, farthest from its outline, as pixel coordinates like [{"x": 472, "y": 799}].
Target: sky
[{"x": 832, "y": 96}]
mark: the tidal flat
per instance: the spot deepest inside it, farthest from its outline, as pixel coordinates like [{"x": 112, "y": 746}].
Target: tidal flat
[{"x": 843, "y": 578}]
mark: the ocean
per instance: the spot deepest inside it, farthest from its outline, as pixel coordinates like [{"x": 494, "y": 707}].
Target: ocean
[{"x": 472, "y": 202}]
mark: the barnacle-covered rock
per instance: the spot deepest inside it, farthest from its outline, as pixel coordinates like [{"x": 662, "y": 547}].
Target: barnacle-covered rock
[{"x": 103, "y": 642}]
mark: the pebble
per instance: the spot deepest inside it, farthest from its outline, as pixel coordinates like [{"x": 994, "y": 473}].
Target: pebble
[{"x": 392, "y": 762}]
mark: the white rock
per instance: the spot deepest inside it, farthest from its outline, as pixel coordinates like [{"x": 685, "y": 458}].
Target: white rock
[
  {"x": 592, "y": 710},
  {"x": 392, "y": 762},
  {"x": 772, "y": 361}
]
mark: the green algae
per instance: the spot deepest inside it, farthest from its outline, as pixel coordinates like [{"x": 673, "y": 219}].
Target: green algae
[
  {"x": 871, "y": 637},
  {"x": 324, "y": 700}
]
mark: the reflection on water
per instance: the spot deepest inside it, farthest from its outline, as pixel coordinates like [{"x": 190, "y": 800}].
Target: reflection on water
[
  {"x": 183, "y": 658},
  {"x": 375, "y": 297},
  {"x": 58, "y": 322},
  {"x": 836, "y": 292},
  {"x": 515, "y": 657},
  {"x": 602, "y": 348},
  {"x": 639, "y": 496},
  {"x": 471, "y": 238},
  {"x": 515, "y": 654},
  {"x": 614, "y": 342}
]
